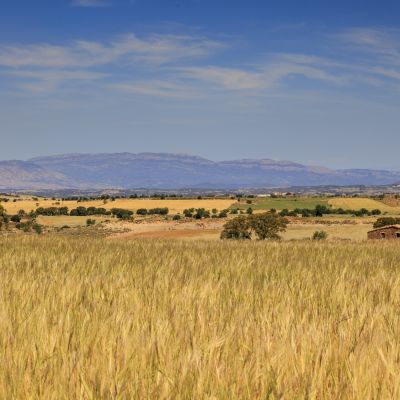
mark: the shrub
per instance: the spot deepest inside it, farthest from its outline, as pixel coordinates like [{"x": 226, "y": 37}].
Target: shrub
[
  {"x": 202, "y": 213},
  {"x": 376, "y": 212},
  {"x": 122, "y": 213},
  {"x": 188, "y": 213},
  {"x": 319, "y": 235},
  {"x": 15, "y": 218},
  {"x": 176, "y": 217},
  {"x": 158, "y": 211},
  {"x": 223, "y": 214},
  {"x": 37, "y": 228}
]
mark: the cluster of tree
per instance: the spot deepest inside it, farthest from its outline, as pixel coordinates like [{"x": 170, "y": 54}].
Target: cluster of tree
[
  {"x": 153, "y": 211},
  {"x": 200, "y": 213},
  {"x": 385, "y": 221},
  {"x": 265, "y": 226},
  {"x": 160, "y": 196},
  {"x": 321, "y": 210},
  {"x": 20, "y": 215},
  {"x": 52, "y": 211},
  {"x": 29, "y": 226},
  {"x": 192, "y": 212},
  {"x": 236, "y": 211},
  {"x": 121, "y": 213},
  {"x": 89, "y": 211},
  {"x": 84, "y": 212}
]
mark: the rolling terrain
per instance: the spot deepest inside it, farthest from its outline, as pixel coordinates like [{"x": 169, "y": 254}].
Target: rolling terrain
[{"x": 174, "y": 171}]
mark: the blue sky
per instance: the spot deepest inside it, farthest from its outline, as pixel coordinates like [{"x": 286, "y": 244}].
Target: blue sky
[{"x": 310, "y": 81}]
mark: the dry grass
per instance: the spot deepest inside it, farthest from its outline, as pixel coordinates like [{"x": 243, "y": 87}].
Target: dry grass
[
  {"x": 355, "y": 203},
  {"x": 168, "y": 230},
  {"x": 175, "y": 206},
  {"x": 178, "y": 234},
  {"x": 108, "y": 319},
  {"x": 59, "y": 221},
  {"x": 336, "y": 231}
]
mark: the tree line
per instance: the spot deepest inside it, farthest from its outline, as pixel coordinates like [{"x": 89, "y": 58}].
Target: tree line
[{"x": 321, "y": 210}]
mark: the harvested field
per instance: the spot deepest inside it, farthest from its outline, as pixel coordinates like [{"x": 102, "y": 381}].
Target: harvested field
[
  {"x": 59, "y": 221},
  {"x": 357, "y": 203},
  {"x": 175, "y": 206},
  {"x": 357, "y": 232},
  {"x": 181, "y": 234}
]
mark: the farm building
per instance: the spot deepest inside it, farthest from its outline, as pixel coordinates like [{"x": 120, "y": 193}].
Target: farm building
[{"x": 385, "y": 232}]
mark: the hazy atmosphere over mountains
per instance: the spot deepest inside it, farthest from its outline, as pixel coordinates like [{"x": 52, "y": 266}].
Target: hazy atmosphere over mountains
[{"x": 174, "y": 171}]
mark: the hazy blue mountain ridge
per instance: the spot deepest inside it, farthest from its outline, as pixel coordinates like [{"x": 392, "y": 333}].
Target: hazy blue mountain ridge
[{"x": 175, "y": 171}]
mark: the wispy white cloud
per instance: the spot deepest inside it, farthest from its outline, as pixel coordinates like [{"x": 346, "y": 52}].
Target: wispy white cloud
[
  {"x": 155, "y": 88},
  {"x": 48, "y": 66},
  {"x": 383, "y": 44},
  {"x": 264, "y": 77},
  {"x": 180, "y": 66},
  {"x": 229, "y": 78},
  {"x": 49, "y": 80},
  {"x": 155, "y": 49}
]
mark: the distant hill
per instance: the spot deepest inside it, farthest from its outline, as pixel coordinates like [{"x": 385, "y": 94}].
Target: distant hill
[
  {"x": 27, "y": 175},
  {"x": 174, "y": 171}
]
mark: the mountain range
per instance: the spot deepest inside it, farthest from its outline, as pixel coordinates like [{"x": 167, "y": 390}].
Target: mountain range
[{"x": 174, "y": 171}]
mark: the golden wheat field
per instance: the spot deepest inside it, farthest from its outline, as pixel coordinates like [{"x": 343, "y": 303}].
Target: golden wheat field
[{"x": 107, "y": 319}]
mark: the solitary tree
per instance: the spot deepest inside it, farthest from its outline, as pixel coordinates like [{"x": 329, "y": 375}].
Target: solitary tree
[
  {"x": 268, "y": 225},
  {"x": 237, "y": 228},
  {"x": 265, "y": 226}
]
